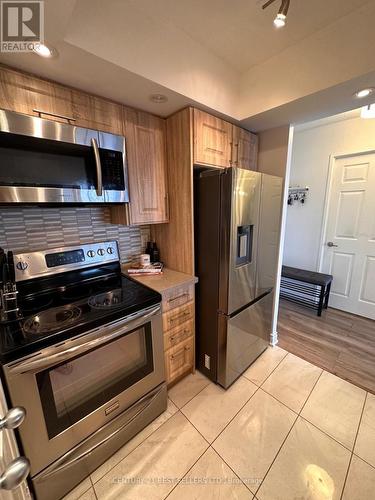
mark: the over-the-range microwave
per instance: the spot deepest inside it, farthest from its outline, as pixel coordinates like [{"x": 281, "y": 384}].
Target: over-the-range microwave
[{"x": 49, "y": 162}]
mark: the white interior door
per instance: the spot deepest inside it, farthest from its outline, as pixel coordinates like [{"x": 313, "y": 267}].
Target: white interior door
[{"x": 349, "y": 247}]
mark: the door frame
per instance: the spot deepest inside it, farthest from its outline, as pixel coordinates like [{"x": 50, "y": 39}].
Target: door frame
[{"x": 331, "y": 164}]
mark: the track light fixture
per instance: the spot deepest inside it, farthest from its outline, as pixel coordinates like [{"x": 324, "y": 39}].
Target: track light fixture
[{"x": 280, "y": 19}]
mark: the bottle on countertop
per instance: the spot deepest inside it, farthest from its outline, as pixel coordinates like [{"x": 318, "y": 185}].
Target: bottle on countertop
[
  {"x": 149, "y": 249},
  {"x": 155, "y": 254}
]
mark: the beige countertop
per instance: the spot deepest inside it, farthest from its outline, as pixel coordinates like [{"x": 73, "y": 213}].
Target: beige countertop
[{"x": 162, "y": 282}]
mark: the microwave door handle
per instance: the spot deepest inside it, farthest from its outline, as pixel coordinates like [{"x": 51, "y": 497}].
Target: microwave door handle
[
  {"x": 99, "y": 179},
  {"x": 43, "y": 361}
]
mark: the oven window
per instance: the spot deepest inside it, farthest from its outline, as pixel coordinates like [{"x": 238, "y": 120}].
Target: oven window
[{"x": 74, "y": 389}]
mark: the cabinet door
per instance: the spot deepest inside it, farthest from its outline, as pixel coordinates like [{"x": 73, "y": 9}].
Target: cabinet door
[
  {"x": 179, "y": 360},
  {"x": 24, "y": 93},
  {"x": 212, "y": 140},
  {"x": 146, "y": 154},
  {"x": 99, "y": 114},
  {"x": 245, "y": 144}
]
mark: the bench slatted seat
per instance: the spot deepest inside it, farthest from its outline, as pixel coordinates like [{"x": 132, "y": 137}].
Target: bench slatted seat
[{"x": 307, "y": 288}]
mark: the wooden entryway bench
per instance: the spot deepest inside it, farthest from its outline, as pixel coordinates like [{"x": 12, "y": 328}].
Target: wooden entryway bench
[{"x": 307, "y": 288}]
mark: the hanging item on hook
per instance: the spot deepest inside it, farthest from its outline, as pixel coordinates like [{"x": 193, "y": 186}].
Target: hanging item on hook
[{"x": 297, "y": 194}]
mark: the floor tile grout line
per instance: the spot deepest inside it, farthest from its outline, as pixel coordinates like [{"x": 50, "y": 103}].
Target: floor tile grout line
[
  {"x": 93, "y": 487},
  {"x": 217, "y": 453},
  {"x": 276, "y": 367},
  {"x": 325, "y": 433},
  {"x": 256, "y": 390},
  {"x": 284, "y": 404},
  {"x": 139, "y": 444},
  {"x": 271, "y": 372},
  {"x": 308, "y": 397},
  {"x": 189, "y": 469},
  {"x": 352, "y": 453},
  {"x": 83, "y": 493},
  {"x": 277, "y": 454},
  {"x": 363, "y": 460},
  {"x": 234, "y": 472},
  {"x": 191, "y": 399},
  {"x": 298, "y": 416}
]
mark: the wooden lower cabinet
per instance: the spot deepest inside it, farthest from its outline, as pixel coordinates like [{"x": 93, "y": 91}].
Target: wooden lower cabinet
[
  {"x": 179, "y": 360},
  {"x": 178, "y": 331}
]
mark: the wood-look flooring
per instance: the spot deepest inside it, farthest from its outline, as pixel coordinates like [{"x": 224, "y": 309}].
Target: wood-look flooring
[{"x": 339, "y": 342}]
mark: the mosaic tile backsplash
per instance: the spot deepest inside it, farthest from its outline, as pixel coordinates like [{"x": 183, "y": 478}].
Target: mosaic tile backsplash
[{"x": 29, "y": 229}]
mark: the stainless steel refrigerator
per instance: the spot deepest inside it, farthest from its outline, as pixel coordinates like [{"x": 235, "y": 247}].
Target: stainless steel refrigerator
[{"x": 237, "y": 232}]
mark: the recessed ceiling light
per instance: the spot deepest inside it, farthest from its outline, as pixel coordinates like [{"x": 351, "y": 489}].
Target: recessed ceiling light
[
  {"x": 45, "y": 51},
  {"x": 158, "y": 98},
  {"x": 368, "y": 111},
  {"x": 364, "y": 93}
]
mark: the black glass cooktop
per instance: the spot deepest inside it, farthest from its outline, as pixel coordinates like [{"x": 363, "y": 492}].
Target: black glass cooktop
[{"x": 62, "y": 306}]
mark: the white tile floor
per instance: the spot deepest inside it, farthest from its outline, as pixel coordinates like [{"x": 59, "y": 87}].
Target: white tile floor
[{"x": 285, "y": 430}]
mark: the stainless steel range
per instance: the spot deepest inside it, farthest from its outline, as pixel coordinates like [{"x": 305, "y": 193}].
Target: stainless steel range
[{"x": 85, "y": 360}]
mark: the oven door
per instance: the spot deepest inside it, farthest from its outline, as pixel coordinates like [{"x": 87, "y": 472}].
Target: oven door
[
  {"x": 43, "y": 161},
  {"x": 73, "y": 389}
]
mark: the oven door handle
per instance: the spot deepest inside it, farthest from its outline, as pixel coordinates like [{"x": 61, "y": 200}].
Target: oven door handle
[
  {"x": 42, "y": 360},
  {"x": 99, "y": 178}
]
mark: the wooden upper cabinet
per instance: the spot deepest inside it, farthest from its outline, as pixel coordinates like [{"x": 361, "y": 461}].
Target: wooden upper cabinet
[
  {"x": 25, "y": 94},
  {"x": 245, "y": 149},
  {"x": 147, "y": 170},
  {"x": 212, "y": 140},
  {"x": 94, "y": 112},
  {"x": 218, "y": 142}
]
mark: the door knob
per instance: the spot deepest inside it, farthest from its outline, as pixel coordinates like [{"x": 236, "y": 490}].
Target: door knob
[
  {"x": 15, "y": 473},
  {"x": 13, "y": 418},
  {"x": 331, "y": 244}
]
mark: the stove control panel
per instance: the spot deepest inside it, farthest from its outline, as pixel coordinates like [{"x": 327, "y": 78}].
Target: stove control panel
[{"x": 58, "y": 260}]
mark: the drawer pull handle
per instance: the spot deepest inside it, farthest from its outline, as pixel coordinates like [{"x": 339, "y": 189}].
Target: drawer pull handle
[
  {"x": 171, "y": 320},
  {"x": 40, "y": 112},
  {"x": 178, "y": 297},
  {"x": 174, "y": 356}
]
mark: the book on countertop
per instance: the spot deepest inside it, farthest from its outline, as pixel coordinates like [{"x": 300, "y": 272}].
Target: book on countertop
[{"x": 152, "y": 269}]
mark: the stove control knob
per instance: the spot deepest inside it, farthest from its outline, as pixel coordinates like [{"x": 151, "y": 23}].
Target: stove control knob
[
  {"x": 91, "y": 253},
  {"x": 22, "y": 265},
  {"x": 101, "y": 251},
  {"x": 110, "y": 250}
]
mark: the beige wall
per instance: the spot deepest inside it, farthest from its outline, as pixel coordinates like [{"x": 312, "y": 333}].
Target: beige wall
[{"x": 273, "y": 150}]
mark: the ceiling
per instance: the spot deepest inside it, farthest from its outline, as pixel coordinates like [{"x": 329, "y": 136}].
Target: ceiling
[
  {"x": 223, "y": 56},
  {"x": 240, "y": 31}
]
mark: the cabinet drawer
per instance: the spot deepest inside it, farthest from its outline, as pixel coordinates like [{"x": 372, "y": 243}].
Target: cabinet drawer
[
  {"x": 179, "y": 334},
  {"x": 178, "y": 297},
  {"x": 178, "y": 316},
  {"x": 179, "y": 359}
]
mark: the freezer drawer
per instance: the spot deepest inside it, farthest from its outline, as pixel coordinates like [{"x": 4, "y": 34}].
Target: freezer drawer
[{"x": 242, "y": 338}]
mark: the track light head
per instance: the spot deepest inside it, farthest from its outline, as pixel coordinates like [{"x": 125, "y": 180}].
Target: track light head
[{"x": 280, "y": 19}]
